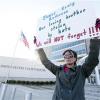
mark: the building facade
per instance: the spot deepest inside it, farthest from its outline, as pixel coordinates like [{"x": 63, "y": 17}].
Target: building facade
[
  {"x": 54, "y": 53},
  {"x": 23, "y": 70}
]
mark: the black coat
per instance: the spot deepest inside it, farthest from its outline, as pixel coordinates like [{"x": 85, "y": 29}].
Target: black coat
[{"x": 70, "y": 85}]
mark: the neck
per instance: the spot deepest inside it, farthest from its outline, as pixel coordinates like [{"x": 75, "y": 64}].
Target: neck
[{"x": 70, "y": 65}]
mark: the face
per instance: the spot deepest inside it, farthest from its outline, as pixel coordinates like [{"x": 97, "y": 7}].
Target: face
[{"x": 69, "y": 58}]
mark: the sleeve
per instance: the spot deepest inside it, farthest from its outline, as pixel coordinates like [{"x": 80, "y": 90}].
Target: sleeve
[
  {"x": 47, "y": 63},
  {"x": 92, "y": 60}
]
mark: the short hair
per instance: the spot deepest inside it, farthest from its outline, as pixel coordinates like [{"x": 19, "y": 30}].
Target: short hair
[{"x": 71, "y": 51}]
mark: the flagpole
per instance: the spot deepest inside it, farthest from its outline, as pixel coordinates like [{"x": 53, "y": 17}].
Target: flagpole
[{"x": 13, "y": 56}]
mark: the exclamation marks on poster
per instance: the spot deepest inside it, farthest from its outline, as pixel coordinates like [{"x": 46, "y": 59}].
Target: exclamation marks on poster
[{"x": 92, "y": 31}]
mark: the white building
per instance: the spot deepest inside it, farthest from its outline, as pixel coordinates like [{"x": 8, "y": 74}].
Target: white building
[{"x": 24, "y": 70}]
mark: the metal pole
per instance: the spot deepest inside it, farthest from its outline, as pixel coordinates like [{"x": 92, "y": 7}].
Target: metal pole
[
  {"x": 3, "y": 90},
  {"x": 13, "y": 55},
  {"x": 28, "y": 96}
]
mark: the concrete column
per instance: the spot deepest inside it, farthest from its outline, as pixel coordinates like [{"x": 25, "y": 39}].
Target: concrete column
[
  {"x": 28, "y": 96},
  {"x": 97, "y": 76},
  {"x": 3, "y": 91},
  {"x": 13, "y": 93}
]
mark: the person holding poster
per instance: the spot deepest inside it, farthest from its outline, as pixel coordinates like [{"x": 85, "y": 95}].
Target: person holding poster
[{"x": 70, "y": 77}]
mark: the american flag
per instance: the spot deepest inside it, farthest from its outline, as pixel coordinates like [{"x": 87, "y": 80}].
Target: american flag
[{"x": 24, "y": 39}]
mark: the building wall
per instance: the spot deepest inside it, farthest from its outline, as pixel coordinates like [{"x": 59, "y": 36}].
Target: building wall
[
  {"x": 54, "y": 53},
  {"x": 23, "y": 69}
]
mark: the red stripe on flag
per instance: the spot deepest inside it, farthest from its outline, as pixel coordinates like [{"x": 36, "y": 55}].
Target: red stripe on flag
[{"x": 24, "y": 39}]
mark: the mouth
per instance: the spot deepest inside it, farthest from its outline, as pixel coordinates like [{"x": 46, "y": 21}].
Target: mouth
[{"x": 70, "y": 64}]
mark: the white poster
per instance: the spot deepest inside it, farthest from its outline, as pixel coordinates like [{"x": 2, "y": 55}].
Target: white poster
[{"x": 73, "y": 21}]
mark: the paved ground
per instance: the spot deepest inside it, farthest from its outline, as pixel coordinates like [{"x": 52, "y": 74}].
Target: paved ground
[
  {"x": 46, "y": 92},
  {"x": 38, "y": 93}
]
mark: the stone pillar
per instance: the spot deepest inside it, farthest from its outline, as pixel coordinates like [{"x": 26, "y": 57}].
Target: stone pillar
[{"x": 97, "y": 76}]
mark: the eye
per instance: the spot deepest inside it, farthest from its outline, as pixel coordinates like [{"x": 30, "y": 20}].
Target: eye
[{"x": 68, "y": 56}]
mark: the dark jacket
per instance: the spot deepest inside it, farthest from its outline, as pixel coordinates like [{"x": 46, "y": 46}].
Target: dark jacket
[{"x": 70, "y": 85}]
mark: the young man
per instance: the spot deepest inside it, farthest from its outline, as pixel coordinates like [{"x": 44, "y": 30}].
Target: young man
[{"x": 70, "y": 77}]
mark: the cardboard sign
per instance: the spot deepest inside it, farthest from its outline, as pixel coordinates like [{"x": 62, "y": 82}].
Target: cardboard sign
[{"x": 72, "y": 22}]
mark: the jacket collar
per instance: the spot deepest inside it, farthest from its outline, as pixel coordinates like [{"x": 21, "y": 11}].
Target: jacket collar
[{"x": 73, "y": 68}]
